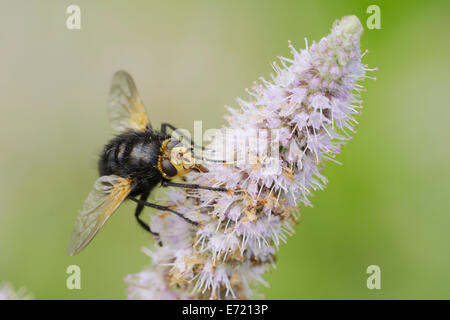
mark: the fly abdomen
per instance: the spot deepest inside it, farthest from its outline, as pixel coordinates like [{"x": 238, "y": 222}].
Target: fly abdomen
[
  {"x": 130, "y": 155},
  {"x": 120, "y": 151}
]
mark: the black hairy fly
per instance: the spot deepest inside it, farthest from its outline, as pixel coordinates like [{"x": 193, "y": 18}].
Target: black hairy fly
[{"x": 132, "y": 164}]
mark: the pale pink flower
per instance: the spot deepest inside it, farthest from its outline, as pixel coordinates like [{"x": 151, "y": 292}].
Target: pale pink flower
[
  {"x": 7, "y": 292},
  {"x": 309, "y": 106}
]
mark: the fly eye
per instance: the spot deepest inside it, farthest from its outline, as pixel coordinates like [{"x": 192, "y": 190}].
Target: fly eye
[
  {"x": 172, "y": 143},
  {"x": 168, "y": 168}
]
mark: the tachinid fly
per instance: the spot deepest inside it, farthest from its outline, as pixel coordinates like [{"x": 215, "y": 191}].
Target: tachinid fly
[{"x": 132, "y": 164}]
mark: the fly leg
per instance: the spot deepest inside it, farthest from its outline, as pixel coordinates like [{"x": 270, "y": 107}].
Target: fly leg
[
  {"x": 144, "y": 203},
  {"x": 138, "y": 211},
  {"x": 164, "y": 127},
  {"x": 166, "y": 183}
]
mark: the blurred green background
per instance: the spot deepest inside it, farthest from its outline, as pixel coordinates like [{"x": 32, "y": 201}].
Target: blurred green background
[{"x": 387, "y": 205}]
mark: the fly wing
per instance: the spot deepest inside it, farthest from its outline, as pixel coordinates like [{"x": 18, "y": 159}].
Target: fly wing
[
  {"x": 106, "y": 196},
  {"x": 125, "y": 108}
]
